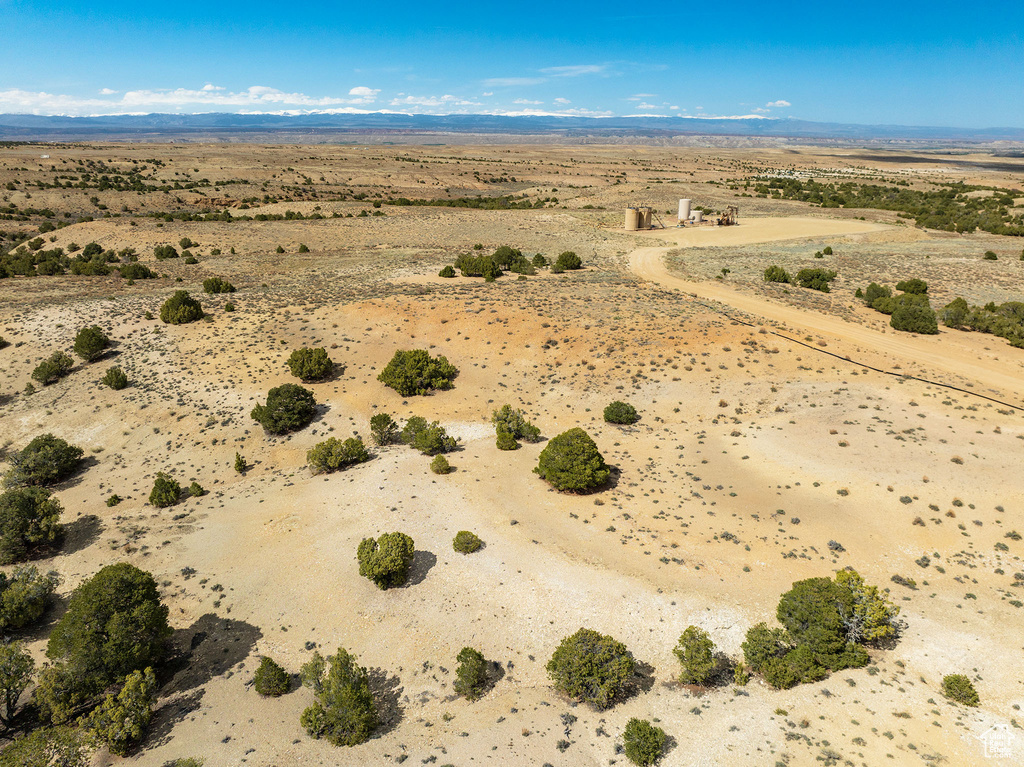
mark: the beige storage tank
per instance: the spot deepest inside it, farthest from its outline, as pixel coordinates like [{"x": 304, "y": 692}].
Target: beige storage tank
[
  {"x": 647, "y": 217},
  {"x": 632, "y": 219},
  {"x": 697, "y": 216},
  {"x": 684, "y": 210}
]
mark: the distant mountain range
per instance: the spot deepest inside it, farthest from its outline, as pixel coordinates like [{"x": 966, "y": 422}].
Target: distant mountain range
[{"x": 333, "y": 128}]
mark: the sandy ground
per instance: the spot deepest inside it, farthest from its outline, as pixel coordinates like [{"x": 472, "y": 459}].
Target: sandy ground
[{"x": 752, "y": 454}]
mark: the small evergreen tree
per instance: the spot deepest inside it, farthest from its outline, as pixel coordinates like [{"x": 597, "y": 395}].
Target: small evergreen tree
[
  {"x": 383, "y": 429},
  {"x": 90, "y": 343},
  {"x": 471, "y": 673},
  {"x": 505, "y": 440},
  {"x": 591, "y": 667},
  {"x": 775, "y": 273},
  {"x": 29, "y": 518},
  {"x": 514, "y": 422},
  {"x": 333, "y": 454},
  {"x": 180, "y": 309},
  {"x": 240, "y": 463},
  {"x": 386, "y": 561},
  {"x": 271, "y": 679},
  {"x": 289, "y": 408},
  {"x": 914, "y": 316},
  {"x": 428, "y": 438},
  {"x": 16, "y": 671},
  {"x": 415, "y": 372},
  {"x": 642, "y": 742},
  {"x": 915, "y": 286},
  {"x": 448, "y": 271},
  {"x": 310, "y": 364},
  {"x": 815, "y": 279},
  {"x": 440, "y": 465},
  {"x": 568, "y": 260},
  {"x": 114, "y": 378},
  {"x": 53, "y": 368},
  {"x": 696, "y": 653},
  {"x": 571, "y": 461},
  {"x": 343, "y": 711},
  {"x": 44, "y": 461},
  {"x": 121, "y": 720},
  {"x": 466, "y": 542},
  {"x": 217, "y": 285},
  {"x": 24, "y": 596},
  {"x": 621, "y": 413},
  {"x": 166, "y": 491},
  {"x": 959, "y": 689}
]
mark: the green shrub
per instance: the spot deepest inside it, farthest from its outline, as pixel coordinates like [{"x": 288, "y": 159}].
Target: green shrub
[
  {"x": 815, "y": 279},
  {"x": 240, "y": 464},
  {"x": 874, "y": 291},
  {"x": 48, "y": 747},
  {"x": 165, "y": 251},
  {"x": 180, "y": 309},
  {"x": 114, "y": 625},
  {"x": 466, "y": 542},
  {"x": 429, "y": 439},
  {"x": 229, "y": 307},
  {"x": 955, "y": 313},
  {"x": 990, "y": 256},
  {"x": 696, "y": 654},
  {"x": 289, "y": 408},
  {"x": 642, "y": 742},
  {"x": 775, "y": 273},
  {"x": 591, "y": 667},
  {"x": 621, "y": 413},
  {"x": 448, "y": 271},
  {"x": 53, "y": 368},
  {"x": 471, "y": 673},
  {"x": 343, "y": 711},
  {"x": 914, "y": 316},
  {"x": 114, "y": 378},
  {"x": 190, "y": 260},
  {"x": 217, "y": 285},
  {"x": 90, "y": 343},
  {"x": 827, "y": 250},
  {"x": 113, "y": 500},
  {"x": 383, "y": 429},
  {"x": 310, "y": 364},
  {"x": 333, "y": 454},
  {"x": 505, "y": 440},
  {"x": 166, "y": 491},
  {"x": 539, "y": 262},
  {"x": 386, "y": 561},
  {"x": 24, "y": 595},
  {"x": 915, "y": 286},
  {"x": 136, "y": 271},
  {"x": 416, "y": 372},
  {"x": 568, "y": 260},
  {"x": 440, "y": 465},
  {"x": 958, "y": 688},
  {"x": 571, "y": 461},
  {"x": 121, "y": 720},
  {"x": 45, "y": 460},
  {"x": 271, "y": 679},
  {"x": 17, "y": 668},
  {"x": 478, "y": 266},
  {"x": 187, "y": 243},
  {"x": 515, "y": 423},
  {"x": 303, "y": 248}
]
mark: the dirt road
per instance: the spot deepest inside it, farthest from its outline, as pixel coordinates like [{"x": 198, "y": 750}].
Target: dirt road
[{"x": 952, "y": 357}]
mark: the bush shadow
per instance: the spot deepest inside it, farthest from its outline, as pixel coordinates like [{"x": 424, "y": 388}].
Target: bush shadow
[
  {"x": 387, "y": 692},
  {"x": 640, "y": 681},
  {"x": 422, "y": 562},
  {"x": 80, "y": 534},
  {"x": 208, "y": 648}
]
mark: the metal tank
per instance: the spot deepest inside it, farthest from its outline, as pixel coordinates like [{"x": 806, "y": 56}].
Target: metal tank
[
  {"x": 697, "y": 216},
  {"x": 632, "y": 219},
  {"x": 684, "y": 210},
  {"x": 647, "y": 214}
]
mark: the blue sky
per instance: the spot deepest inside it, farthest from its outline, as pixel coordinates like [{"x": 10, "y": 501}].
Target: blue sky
[{"x": 909, "y": 63}]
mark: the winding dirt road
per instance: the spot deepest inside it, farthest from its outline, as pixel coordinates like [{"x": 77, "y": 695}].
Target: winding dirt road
[{"x": 952, "y": 357}]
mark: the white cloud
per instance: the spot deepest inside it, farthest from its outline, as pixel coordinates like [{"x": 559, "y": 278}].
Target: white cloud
[
  {"x": 560, "y": 100},
  {"x": 760, "y": 110},
  {"x": 485, "y": 94},
  {"x": 433, "y": 101},
  {"x": 779, "y": 103},
  {"x": 645, "y": 105},
  {"x": 511, "y": 82},
  {"x": 212, "y": 87},
  {"x": 363, "y": 92},
  {"x": 641, "y": 96},
  {"x": 673, "y": 107},
  {"x": 575, "y": 70},
  {"x": 527, "y": 101},
  {"x": 107, "y": 92}
]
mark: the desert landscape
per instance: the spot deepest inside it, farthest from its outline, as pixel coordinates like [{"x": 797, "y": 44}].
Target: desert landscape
[{"x": 784, "y": 433}]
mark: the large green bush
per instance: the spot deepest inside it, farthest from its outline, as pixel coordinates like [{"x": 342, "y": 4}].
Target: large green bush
[
  {"x": 621, "y": 413},
  {"x": 48, "y": 747},
  {"x": 343, "y": 711},
  {"x": 24, "y": 596},
  {"x": 568, "y": 260},
  {"x": 121, "y": 720},
  {"x": 217, "y": 285},
  {"x": 136, "y": 271},
  {"x": 289, "y": 407},
  {"x": 914, "y": 316},
  {"x": 696, "y": 654},
  {"x": 914, "y": 286},
  {"x": 591, "y": 667},
  {"x": 45, "y": 460},
  {"x": 428, "y": 438},
  {"x": 776, "y": 273},
  {"x": 90, "y": 342},
  {"x": 415, "y": 372},
  {"x": 642, "y": 742},
  {"x": 471, "y": 673},
  {"x": 17, "y": 668},
  {"x": 115, "y": 624},
  {"x": 270, "y": 679},
  {"x": 815, "y": 279},
  {"x": 515, "y": 424},
  {"x": 114, "y": 378},
  {"x": 383, "y": 429},
  {"x": 874, "y": 291},
  {"x": 955, "y": 313},
  {"x": 386, "y": 561},
  {"x": 310, "y": 364},
  {"x": 333, "y": 454},
  {"x": 166, "y": 491},
  {"x": 29, "y": 518},
  {"x": 180, "y": 309},
  {"x": 53, "y": 368},
  {"x": 571, "y": 461},
  {"x": 958, "y": 688}
]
